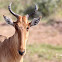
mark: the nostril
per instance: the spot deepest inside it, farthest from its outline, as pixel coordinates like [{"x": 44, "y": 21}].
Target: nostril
[{"x": 21, "y": 53}]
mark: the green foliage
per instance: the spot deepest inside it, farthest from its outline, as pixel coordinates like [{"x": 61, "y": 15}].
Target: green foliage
[
  {"x": 23, "y": 7},
  {"x": 46, "y": 7}
]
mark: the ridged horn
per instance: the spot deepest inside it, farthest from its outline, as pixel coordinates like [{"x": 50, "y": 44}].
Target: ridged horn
[
  {"x": 36, "y": 7},
  {"x": 34, "y": 12},
  {"x": 9, "y": 7}
]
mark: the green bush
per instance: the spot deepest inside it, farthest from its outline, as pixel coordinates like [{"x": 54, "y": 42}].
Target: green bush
[{"x": 46, "y": 7}]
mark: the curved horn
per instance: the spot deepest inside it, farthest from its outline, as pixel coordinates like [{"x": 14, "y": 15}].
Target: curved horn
[
  {"x": 9, "y": 7},
  {"x": 36, "y": 7},
  {"x": 34, "y": 12}
]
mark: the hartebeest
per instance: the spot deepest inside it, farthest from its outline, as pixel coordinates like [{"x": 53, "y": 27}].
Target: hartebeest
[{"x": 14, "y": 48}]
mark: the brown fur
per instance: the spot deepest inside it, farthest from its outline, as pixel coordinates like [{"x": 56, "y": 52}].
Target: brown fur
[{"x": 9, "y": 48}]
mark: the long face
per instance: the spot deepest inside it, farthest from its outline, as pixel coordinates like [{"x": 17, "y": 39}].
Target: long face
[{"x": 22, "y": 25}]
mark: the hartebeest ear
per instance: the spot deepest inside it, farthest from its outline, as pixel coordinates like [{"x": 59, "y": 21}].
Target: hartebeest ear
[
  {"x": 8, "y": 20},
  {"x": 34, "y": 22}
]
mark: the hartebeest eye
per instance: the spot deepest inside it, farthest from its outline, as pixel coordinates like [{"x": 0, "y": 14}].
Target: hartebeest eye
[{"x": 27, "y": 28}]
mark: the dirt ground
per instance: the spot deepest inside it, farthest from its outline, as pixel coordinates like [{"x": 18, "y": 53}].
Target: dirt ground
[{"x": 42, "y": 33}]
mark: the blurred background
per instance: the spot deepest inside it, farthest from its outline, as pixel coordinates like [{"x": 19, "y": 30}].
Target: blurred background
[{"x": 45, "y": 39}]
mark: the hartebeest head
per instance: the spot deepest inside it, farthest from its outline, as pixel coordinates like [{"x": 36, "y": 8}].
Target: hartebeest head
[{"x": 22, "y": 25}]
